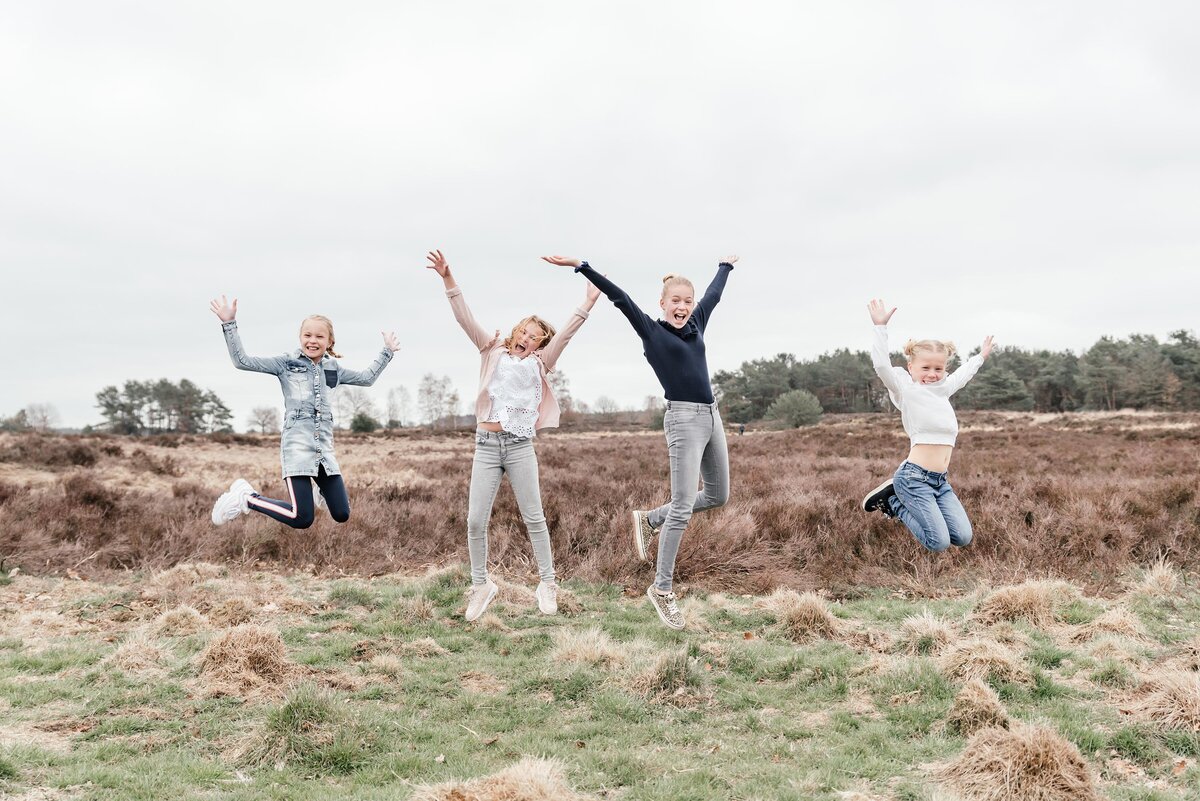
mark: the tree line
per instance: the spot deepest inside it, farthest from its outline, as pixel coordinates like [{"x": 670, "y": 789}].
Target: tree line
[{"x": 1137, "y": 372}]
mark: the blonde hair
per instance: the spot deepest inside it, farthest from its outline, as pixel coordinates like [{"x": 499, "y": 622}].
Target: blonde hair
[
  {"x": 671, "y": 279},
  {"x": 932, "y": 345},
  {"x": 519, "y": 327},
  {"x": 329, "y": 325}
]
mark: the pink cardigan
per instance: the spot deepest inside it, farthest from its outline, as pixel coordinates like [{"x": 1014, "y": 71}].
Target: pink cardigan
[{"x": 492, "y": 348}]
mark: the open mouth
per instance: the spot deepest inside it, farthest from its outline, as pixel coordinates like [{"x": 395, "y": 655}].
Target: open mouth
[
  {"x": 518, "y": 348},
  {"x": 680, "y": 316}
]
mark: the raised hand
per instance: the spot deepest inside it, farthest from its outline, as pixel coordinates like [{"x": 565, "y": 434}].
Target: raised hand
[
  {"x": 879, "y": 312},
  {"x": 562, "y": 261},
  {"x": 223, "y": 309},
  {"x": 390, "y": 342},
  {"x": 729, "y": 260},
  {"x": 987, "y": 346},
  {"x": 438, "y": 263}
]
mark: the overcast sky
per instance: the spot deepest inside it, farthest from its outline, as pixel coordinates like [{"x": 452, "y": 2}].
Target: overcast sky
[{"x": 1028, "y": 170}]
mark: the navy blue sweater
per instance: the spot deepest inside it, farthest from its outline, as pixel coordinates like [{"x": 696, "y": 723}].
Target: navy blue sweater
[{"x": 676, "y": 354}]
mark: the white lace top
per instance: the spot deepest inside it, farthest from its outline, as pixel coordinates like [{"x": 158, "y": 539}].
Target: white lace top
[{"x": 516, "y": 392}]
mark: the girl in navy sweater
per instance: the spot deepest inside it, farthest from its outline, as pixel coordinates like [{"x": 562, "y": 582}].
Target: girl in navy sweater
[{"x": 674, "y": 347}]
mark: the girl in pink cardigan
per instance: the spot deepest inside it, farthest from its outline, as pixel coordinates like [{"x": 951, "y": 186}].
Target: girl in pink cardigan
[{"x": 515, "y": 400}]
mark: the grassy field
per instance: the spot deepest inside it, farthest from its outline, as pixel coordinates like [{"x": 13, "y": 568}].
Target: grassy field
[{"x": 205, "y": 682}]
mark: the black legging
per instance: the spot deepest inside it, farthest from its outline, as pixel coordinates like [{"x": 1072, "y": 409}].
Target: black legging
[{"x": 298, "y": 512}]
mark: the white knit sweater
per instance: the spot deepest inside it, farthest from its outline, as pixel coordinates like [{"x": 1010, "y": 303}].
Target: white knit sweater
[{"x": 925, "y": 409}]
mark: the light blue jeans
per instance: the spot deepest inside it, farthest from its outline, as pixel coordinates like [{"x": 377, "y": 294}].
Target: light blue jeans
[
  {"x": 498, "y": 454},
  {"x": 696, "y": 447},
  {"x": 926, "y": 503}
]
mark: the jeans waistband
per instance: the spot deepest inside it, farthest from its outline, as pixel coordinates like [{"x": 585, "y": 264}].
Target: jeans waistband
[
  {"x": 483, "y": 435},
  {"x": 690, "y": 406},
  {"x": 927, "y": 474}
]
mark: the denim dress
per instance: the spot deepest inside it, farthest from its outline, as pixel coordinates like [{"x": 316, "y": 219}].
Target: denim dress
[{"x": 307, "y": 441}]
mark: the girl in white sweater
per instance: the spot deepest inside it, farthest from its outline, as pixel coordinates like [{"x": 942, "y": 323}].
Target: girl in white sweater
[{"x": 919, "y": 493}]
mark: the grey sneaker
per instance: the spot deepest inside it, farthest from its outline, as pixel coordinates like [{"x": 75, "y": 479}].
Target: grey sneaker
[
  {"x": 878, "y": 499},
  {"x": 547, "y": 598},
  {"x": 643, "y": 533},
  {"x": 668, "y": 612},
  {"x": 481, "y": 596}
]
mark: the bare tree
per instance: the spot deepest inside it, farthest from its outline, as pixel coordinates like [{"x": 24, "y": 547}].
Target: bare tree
[
  {"x": 399, "y": 405},
  {"x": 562, "y": 392},
  {"x": 41, "y": 416},
  {"x": 437, "y": 399},
  {"x": 606, "y": 406},
  {"x": 266, "y": 418},
  {"x": 351, "y": 401}
]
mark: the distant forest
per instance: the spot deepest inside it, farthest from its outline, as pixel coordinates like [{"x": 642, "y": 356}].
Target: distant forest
[{"x": 1138, "y": 372}]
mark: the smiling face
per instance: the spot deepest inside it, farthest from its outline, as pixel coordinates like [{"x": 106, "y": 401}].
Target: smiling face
[
  {"x": 316, "y": 338},
  {"x": 927, "y": 366},
  {"x": 677, "y": 302},
  {"x": 528, "y": 336}
]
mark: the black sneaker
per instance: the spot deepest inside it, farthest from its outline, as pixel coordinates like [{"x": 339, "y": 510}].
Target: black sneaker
[{"x": 878, "y": 499}]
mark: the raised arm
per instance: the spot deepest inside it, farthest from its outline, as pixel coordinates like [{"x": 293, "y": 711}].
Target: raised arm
[
  {"x": 712, "y": 295},
  {"x": 967, "y": 370},
  {"x": 227, "y": 312},
  {"x": 881, "y": 359},
  {"x": 365, "y": 378},
  {"x": 558, "y": 343},
  {"x": 641, "y": 322},
  {"x": 458, "y": 304}
]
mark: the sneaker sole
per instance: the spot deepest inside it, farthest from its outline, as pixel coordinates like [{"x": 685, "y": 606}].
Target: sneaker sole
[
  {"x": 218, "y": 519},
  {"x": 650, "y": 595},
  {"x": 491, "y": 597},
  {"x": 875, "y": 496},
  {"x": 639, "y": 545}
]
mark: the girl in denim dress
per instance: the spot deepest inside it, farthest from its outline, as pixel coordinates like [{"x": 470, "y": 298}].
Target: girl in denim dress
[
  {"x": 919, "y": 493},
  {"x": 307, "y": 377},
  {"x": 514, "y": 402}
]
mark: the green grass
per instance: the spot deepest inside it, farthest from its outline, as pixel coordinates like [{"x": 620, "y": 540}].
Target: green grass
[{"x": 729, "y": 708}]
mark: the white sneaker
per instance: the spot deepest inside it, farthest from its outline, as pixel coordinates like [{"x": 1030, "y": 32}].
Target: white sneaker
[
  {"x": 547, "y": 598},
  {"x": 481, "y": 596},
  {"x": 232, "y": 504}
]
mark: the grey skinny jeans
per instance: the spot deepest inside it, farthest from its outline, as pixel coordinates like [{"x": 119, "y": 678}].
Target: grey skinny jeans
[
  {"x": 497, "y": 454},
  {"x": 696, "y": 446}
]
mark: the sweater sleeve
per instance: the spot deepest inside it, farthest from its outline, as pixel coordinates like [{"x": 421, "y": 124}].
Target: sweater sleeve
[
  {"x": 881, "y": 360},
  {"x": 478, "y": 335},
  {"x": 712, "y": 295},
  {"x": 365, "y": 378},
  {"x": 966, "y": 371},
  {"x": 242, "y": 361},
  {"x": 558, "y": 343},
  {"x": 640, "y": 321}
]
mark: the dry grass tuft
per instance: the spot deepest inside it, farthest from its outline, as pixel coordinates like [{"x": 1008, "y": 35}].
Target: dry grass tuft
[
  {"x": 185, "y": 575},
  {"x": 138, "y": 654},
  {"x": 1188, "y": 657},
  {"x": 1160, "y": 580},
  {"x": 180, "y": 621},
  {"x": 528, "y": 780},
  {"x": 387, "y": 664},
  {"x": 1033, "y": 601},
  {"x": 245, "y": 660},
  {"x": 804, "y": 617},
  {"x": 476, "y": 681},
  {"x": 976, "y": 707},
  {"x": 232, "y": 611},
  {"x": 673, "y": 678},
  {"x": 415, "y": 609},
  {"x": 492, "y": 622},
  {"x": 1117, "y": 621},
  {"x": 925, "y": 634},
  {"x": 514, "y": 594},
  {"x": 1170, "y": 700},
  {"x": 426, "y": 646},
  {"x": 590, "y": 646},
  {"x": 1112, "y": 648},
  {"x": 982, "y": 659},
  {"x": 568, "y": 603},
  {"x": 1025, "y": 763}
]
